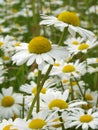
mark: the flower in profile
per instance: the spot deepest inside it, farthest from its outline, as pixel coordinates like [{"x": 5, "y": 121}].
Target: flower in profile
[
  {"x": 42, "y": 120},
  {"x": 82, "y": 47},
  {"x": 56, "y": 100},
  {"x": 70, "y": 69},
  {"x": 73, "y": 41},
  {"x": 39, "y": 50},
  {"x": 10, "y": 103},
  {"x": 68, "y": 20},
  {"x": 84, "y": 119}
]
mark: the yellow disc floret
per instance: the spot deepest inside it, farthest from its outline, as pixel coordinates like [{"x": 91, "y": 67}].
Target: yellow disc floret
[
  {"x": 88, "y": 96},
  {"x": 86, "y": 118},
  {"x": 43, "y": 90},
  {"x": 75, "y": 42},
  {"x": 6, "y": 58},
  {"x": 37, "y": 123},
  {"x": 1, "y": 43},
  {"x": 83, "y": 46},
  {"x": 68, "y": 68},
  {"x": 7, "y": 101},
  {"x": 96, "y": 59},
  {"x": 39, "y": 45},
  {"x": 59, "y": 103},
  {"x": 8, "y": 127},
  {"x": 69, "y": 17},
  {"x": 58, "y": 123}
]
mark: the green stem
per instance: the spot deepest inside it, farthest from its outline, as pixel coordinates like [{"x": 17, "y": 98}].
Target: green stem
[
  {"x": 62, "y": 38},
  {"x": 38, "y": 86},
  {"x": 23, "y": 107},
  {"x": 72, "y": 91},
  {"x": 80, "y": 88},
  {"x": 38, "y": 91}
]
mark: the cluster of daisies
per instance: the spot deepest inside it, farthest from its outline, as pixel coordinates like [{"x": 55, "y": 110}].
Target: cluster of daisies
[{"x": 54, "y": 94}]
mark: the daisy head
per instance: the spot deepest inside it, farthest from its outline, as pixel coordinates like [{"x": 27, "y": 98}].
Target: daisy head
[
  {"x": 39, "y": 50},
  {"x": 56, "y": 100},
  {"x": 10, "y": 103},
  {"x": 32, "y": 87},
  {"x": 70, "y": 69},
  {"x": 42, "y": 120},
  {"x": 83, "y": 47},
  {"x": 69, "y": 20},
  {"x": 17, "y": 124},
  {"x": 84, "y": 119},
  {"x": 69, "y": 17}
]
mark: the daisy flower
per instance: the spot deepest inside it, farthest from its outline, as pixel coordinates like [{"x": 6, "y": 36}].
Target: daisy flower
[
  {"x": 42, "y": 120},
  {"x": 39, "y": 50},
  {"x": 69, "y": 69},
  {"x": 73, "y": 41},
  {"x": 85, "y": 120},
  {"x": 32, "y": 87},
  {"x": 73, "y": 86},
  {"x": 82, "y": 47},
  {"x": 91, "y": 97},
  {"x": 10, "y": 103},
  {"x": 68, "y": 20},
  {"x": 57, "y": 100},
  {"x": 17, "y": 124}
]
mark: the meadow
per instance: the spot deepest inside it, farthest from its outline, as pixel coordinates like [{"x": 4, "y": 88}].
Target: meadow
[{"x": 48, "y": 65}]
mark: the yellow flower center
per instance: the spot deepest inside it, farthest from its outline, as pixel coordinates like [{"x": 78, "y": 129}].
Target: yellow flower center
[
  {"x": 96, "y": 59},
  {"x": 69, "y": 17},
  {"x": 88, "y": 96},
  {"x": 1, "y": 29},
  {"x": 87, "y": 106},
  {"x": 75, "y": 42},
  {"x": 73, "y": 83},
  {"x": 6, "y": 57},
  {"x": 17, "y": 44},
  {"x": 59, "y": 103},
  {"x": 14, "y": 10},
  {"x": 58, "y": 124},
  {"x": 39, "y": 45},
  {"x": 68, "y": 69},
  {"x": 7, "y": 101},
  {"x": 1, "y": 43},
  {"x": 43, "y": 90},
  {"x": 37, "y": 124},
  {"x": 7, "y": 127},
  {"x": 86, "y": 118},
  {"x": 64, "y": 81},
  {"x": 56, "y": 64},
  {"x": 83, "y": 46}
]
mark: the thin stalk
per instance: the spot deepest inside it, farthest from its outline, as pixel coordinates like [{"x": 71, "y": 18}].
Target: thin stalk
[
  {"x": 38, "y": 86},
  {"x": 80, "y": 88},
  {"x": 72, "y": 91},
  {"x": 62, "y": 37},
  {"x": 38, "y": 91},
  {"x": 23, "y": 107}
]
